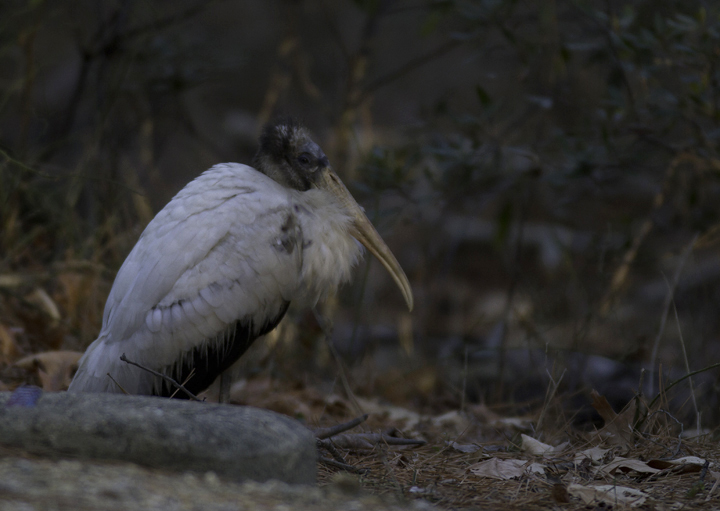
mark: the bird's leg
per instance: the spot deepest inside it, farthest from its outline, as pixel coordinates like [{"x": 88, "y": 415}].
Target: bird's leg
[
  {"x": 225, "y": 385},
  {"x": 325, "y": 323},
  {"x": 327, "y": 328}
]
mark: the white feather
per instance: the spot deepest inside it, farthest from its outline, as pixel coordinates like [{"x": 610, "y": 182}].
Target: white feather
[{"x": 216, "y": 254}]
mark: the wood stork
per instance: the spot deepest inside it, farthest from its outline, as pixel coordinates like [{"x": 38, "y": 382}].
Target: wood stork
[{"x": 220, "y": 263}]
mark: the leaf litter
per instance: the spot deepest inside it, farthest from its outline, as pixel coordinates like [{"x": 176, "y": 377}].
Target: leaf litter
[
  {"x": 476, "y": 457},
  {"x": 478, "y": 465}
]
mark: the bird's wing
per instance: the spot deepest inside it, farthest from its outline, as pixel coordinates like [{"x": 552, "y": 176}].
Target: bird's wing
[{"x": 226, "y": 248}]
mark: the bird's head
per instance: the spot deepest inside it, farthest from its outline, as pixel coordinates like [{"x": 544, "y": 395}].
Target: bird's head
[{"x": 290, "y": 157}]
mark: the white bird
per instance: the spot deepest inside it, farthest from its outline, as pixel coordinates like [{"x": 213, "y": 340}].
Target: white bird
[{"x": 220, "y": 263}]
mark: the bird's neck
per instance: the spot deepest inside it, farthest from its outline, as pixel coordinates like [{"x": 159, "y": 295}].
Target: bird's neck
[{"x": 329, "y": 251}]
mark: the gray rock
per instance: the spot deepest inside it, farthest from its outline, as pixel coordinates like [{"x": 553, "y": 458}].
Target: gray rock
[
  {"x": 235, "y": 442},
  {"x": 62, "y": 485}
]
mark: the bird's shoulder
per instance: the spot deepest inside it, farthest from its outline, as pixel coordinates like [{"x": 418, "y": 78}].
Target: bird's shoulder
[
  {"x": 230, "y": 222},
  {"x": 227, "y": 185}
]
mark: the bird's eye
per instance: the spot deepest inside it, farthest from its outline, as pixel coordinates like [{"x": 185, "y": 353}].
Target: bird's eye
[{"x": 304, "y": 159}]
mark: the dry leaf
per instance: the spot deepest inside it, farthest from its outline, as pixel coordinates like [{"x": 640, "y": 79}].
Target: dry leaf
[
  {"x": 688, "y": 463},
  {"x": 9, "y": 350},
  {"x": 12, "y": 280},
  {"x": 466, "y": 448},
  {"x": 40, "y": 299},
  {"x": 595, "y": 455},
  {"x": 537, "y": 448},
  {"x": 495, "y": 468},
  {"x": 454, "y": 419},
  {"x": 394, "y": 414},
  {"x": 514, "y": 423},
  {"x": 627, "y": 465},
  {"x": 560, "y": 494},
  {"x": 608, "y": 494},
  {"x": 617, "y": 428},
  {"x": 535, "y": 468},
  {"x": 55, "y": 368}
]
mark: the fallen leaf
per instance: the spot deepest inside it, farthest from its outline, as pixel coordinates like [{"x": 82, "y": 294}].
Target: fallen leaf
[
  {"x": 9, "y": 350},
  {"x": 537, "y": 448},
  {"x": 495, "y": 468},
  {"x": 618, "y": 427},
  {"x": 594, "y": 454},
  {"x": 535, "y": 468},
  {"x": 12, "y": 280},
  {"x": 485, "y": 415},
  {"x": 453, "y": 419},
  {"x": 608, "y": 494},
  {"x": 515, "y": 423},
  {"x": 688, "y": 463},
  {"x": 394, "y": 414},
  {"x": 466, "y": 448},
  {"x": 533, "y": 446},
  {"x": 560, "y": 494},
  {"x": 627, "y": 465},
  {"x": 55, "y": 368},
  {"x": 40, "y": 299}
]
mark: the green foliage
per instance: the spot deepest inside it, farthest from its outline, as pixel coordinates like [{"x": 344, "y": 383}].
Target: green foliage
[{"x": 628, "y": 88}]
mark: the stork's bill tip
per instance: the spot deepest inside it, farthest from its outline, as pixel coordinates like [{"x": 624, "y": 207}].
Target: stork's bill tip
[{"x": 365, "y": 233}]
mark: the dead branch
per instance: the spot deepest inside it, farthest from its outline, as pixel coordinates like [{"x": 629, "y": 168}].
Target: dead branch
[
  {"x": 165, "y": 377},
  {"x": 360, "y": 441},
  {"x": 322, "y": 433},
  {"x": 344, "y": 466}
]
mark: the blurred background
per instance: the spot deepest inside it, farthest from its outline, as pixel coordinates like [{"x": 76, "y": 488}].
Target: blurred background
[{"x": 546, "y": 173}]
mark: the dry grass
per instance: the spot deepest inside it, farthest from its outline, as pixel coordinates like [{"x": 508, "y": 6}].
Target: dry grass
[{"x": 439, "y": 473}]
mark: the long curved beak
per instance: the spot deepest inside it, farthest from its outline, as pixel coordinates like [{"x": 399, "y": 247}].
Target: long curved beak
[{"x": 365, "y": 233}]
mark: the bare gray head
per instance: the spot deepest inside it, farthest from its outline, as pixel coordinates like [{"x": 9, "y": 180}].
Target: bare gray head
[{"x": 289, "y": 156}]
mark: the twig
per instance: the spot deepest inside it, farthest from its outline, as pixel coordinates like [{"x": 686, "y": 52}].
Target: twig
[
  {"x": 116, "y": 383},
  {"x": 666, "y": 309},
  {"x": 679, "y": 437},
  {"x": 382, "y": 455},
  {"x": 619, "y": 277},
  {"x": 344, "y": 466},
  {"x": 712, "y": 490},
  {"x": 363, "y": 441},
  {"x": 328, "y": 446},
  {"x": 516, "y": 248},
  {"x": 163, "y": 376},
  {"x": 408, "y": 67},
  {"x": 339, "y": 461},
  {"x": 713, "y": 366},
  {"x": 548, "y": 397},
  {"x": 687, "y": 368},
  {"x": 464, "y": 380},
  {"x": 189, "y": 377},
  {"x": 323, "y": 433}
]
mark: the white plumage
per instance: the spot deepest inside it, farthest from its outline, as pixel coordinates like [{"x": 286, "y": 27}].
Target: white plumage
[{"x": 223, "y": 259}]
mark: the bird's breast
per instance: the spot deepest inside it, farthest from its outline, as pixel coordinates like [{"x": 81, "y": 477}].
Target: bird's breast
[{"x": 329, "y": 252}]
